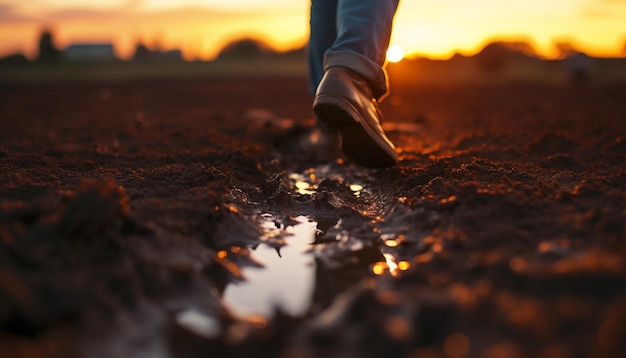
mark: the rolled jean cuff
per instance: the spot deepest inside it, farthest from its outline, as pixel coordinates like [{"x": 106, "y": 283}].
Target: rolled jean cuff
[{"x": 370, "y": 70}]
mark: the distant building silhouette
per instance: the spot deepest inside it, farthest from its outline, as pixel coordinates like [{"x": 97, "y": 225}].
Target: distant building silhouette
[
  {"x": 89, "y": 52},
  {"x": 47, "y": 50}
]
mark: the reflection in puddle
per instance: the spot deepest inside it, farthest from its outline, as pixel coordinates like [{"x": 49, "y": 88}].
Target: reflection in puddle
[
  {"x": 356, "y": 189},
  {"x": 392, "y": 264},
  {"x": 286, "y": 281},
  {"x": 305, "y": 276},
  {"x": 199, "y": 323},
  {"x": 307, "y": 183}
]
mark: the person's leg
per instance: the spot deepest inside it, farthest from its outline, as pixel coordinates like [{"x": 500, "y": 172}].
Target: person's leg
[
  {"x": 363, "y": 32},
  {"x": 323, "y": 33},
  {"x": 354, "y": 81}
]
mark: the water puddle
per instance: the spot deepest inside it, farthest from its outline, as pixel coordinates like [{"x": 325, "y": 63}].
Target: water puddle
[
  {"x": 305, "y": 275},
  {"x": 287, "y": 279}
]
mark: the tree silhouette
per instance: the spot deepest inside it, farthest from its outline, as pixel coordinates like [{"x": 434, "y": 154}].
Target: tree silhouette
[
  {"x": 495, "y": 55},
  {"x": 47, "y": 50},
  {"x": 245, "y": 48},
  {"x": 565, "y": 49},
  {"x": 142, "y": 53}
]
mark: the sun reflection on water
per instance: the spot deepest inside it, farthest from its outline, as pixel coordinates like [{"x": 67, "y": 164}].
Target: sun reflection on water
[
  {"x": 307, "y": 182},
  {"x": 286, "y": 278},
  {"x": 391, "y": 266},
  {"x": 356, "y": 189}
]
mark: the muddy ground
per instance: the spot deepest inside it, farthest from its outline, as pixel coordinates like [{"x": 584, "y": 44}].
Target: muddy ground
[{"x": 125, "y": 205}]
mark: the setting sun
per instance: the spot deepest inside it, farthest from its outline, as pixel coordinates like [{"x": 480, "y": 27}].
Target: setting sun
[{"x": 395, "y": 53}]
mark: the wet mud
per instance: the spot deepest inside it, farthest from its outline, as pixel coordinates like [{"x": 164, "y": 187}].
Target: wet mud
[{"x": 130, "y": 210}]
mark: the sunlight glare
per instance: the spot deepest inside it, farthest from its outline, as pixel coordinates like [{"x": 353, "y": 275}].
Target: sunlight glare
[
  {"x": 395, "y": 53},
  {"x": 391, "y": 264}
]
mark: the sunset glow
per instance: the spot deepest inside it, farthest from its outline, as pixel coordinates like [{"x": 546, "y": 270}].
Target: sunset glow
[
  {"x": 395, "y": 53},
  {"x": 200, "y": 28}
]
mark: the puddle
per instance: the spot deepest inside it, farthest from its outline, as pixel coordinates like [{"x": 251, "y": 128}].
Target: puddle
[
  {"x": 307, "y": 183},
  {"x": 301, "y": 278},
  {"x": 286, "y": 280}
]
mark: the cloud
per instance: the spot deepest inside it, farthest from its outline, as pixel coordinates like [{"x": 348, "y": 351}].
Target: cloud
[
  {"x": 220, "y": 5},
  {"x": 82, "y": 14},
  {"x": 9, "y": 14},
  {"x": 134, "y": 10},
  {"x": 603, "y": 9},
  {"x": 13, "y": 11}
]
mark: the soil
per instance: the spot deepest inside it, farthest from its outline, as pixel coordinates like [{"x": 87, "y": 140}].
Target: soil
[{"x": 125, "y": 205}]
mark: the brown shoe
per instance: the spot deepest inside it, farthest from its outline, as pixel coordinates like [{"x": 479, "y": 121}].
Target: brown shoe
[{"x": 344, "y": 101}]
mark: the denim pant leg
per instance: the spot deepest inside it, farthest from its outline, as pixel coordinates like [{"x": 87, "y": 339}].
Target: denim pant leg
[
  {"x": 363, "y": 32},
  {"x": 323, "y": 33},
  {"x": 353, "y": 34}
]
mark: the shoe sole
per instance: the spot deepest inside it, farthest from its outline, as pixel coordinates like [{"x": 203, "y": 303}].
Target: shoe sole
[{"x": 358, "y": 141}]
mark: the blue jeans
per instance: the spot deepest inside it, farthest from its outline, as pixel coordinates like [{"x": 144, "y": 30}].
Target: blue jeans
[{"x": 353, "y": 34}]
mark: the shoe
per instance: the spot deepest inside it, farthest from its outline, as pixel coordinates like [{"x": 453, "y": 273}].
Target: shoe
[{"x": 344, "y": 101}]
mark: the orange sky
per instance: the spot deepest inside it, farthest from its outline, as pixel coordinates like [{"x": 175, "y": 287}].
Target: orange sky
[{"x": 201, "y": 27}]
